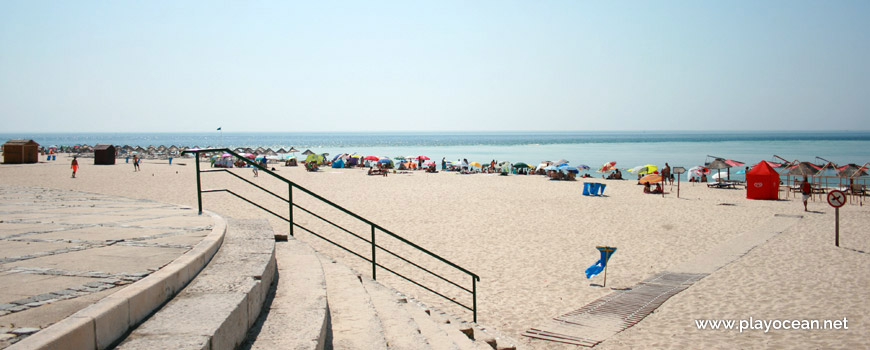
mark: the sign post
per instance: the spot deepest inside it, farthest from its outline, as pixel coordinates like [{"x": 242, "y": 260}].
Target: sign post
[
  {"x": 836, "y": 199},
  {"x": 679, "y": 171}
]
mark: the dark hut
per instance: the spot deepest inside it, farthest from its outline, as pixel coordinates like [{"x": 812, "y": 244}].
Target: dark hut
[{"x": 104, "y": 155}]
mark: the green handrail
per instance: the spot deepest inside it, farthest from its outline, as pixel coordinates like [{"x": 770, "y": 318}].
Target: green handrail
[{"x": 374, "y": 246}]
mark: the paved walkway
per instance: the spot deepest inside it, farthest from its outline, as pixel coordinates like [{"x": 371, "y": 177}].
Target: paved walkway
[{"x": 61, "y": 251}]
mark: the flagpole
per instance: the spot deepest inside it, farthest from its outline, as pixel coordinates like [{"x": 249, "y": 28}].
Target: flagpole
[{"x": 606, "y": 260}]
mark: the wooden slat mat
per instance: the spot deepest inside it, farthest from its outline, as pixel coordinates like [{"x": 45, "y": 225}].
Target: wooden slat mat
[{"x": 614, "y": 312}]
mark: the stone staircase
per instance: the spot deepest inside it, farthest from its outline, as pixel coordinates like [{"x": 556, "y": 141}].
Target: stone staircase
[
  {"x": 257, "y": 293},
  {"x": 318, "y": 303}
]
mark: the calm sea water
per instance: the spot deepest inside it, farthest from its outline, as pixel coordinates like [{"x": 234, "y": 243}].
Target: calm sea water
[{"x": 628, "y": 149}]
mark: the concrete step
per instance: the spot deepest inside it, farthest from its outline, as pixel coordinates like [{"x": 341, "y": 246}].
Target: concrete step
[
  {"x": 457, "y": 331},
  {"x": 297, "y": 317},
  {"x": 222, "y": 302},
  {"x": 354, "y": 321},
  {"x": 437, "y": 336},
  {"x": 400, "y": 328}
]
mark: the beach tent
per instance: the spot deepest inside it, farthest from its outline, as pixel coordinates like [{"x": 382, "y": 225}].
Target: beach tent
[
  {"x": 338, "y": 163},
  {"x": 762, "y": 182}
]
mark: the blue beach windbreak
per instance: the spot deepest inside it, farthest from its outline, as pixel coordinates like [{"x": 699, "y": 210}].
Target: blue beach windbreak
[{"x": 598, "y": 266}]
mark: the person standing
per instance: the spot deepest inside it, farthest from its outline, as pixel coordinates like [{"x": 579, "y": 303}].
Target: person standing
[
  {"x": 74, "y": 166},
  {"x": 444, "y": 163},
  {"x": 806, "y": 191},
  {"x": 135, "y": 163},
  {"x": 666, "y": 174}
]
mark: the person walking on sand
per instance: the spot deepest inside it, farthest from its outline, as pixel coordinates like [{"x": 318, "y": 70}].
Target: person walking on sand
[
  {"x": 806, "y": 191},
  {"x": 74, "y": 166},
  {"x": 135, "y": 163}
]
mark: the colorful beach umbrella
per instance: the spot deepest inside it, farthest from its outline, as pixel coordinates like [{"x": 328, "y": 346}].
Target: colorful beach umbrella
[
  {"x": 423, "y": 157},
  {"x": 568, "y": 169},
  {"x": 651, "y": 178},
  {"x": 385, "y": 161},
  {"x": 475, "y": 164},
  {"x": 521, "y": 165},
  {"x": 699, "y": 170},
  {"x": 644, "y": 169},
  {"x": 607, "y": 167},
  {"x": 372, "y": 158}
]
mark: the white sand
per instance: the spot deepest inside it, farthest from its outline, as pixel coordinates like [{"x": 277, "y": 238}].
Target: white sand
[{"x": 529, "y": 239}]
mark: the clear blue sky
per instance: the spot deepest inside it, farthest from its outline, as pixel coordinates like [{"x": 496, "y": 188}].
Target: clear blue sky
[{"x": 188, "y": 66}]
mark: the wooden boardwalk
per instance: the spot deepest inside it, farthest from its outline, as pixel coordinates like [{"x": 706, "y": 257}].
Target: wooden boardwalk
[{"x": 614, "y": 312}]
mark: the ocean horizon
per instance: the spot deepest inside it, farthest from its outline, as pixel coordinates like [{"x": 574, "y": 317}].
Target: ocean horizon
[{"x": 593, "y": 148}]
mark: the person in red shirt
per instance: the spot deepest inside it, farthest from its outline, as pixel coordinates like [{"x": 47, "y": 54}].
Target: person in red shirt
[
  {"x": 806, "y": 191},
  {"x": 74, "y": 166}
]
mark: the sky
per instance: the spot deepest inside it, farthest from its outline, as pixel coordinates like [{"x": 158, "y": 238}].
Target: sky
[{"x": 297, "y": 66}]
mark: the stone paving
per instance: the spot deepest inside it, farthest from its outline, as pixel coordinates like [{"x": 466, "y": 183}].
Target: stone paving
[{"x": 61, "y": 251}]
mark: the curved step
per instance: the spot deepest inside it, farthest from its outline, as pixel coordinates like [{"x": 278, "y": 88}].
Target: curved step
[
  {"x": 354, "y": 321},
  {"x": 217, "y": 308},
  {"x": 400, "y": 328},
  {"x": 437, "y": 336},
  {"x": 297, "y": 315}
]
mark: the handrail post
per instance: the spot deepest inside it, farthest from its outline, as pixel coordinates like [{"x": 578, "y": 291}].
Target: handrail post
[
  {"x": 474, "y": 296},
  {"x": 374, "y": 263},
  {"x": 198, "y": 183},
  {"x": 290, "y": 199}
]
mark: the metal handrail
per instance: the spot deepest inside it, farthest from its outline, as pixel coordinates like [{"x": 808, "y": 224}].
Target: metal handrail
[{"x": 373, "y": 261}]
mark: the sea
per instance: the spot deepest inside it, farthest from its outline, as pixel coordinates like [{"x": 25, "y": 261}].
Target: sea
[{"x": 592, "y": 148}]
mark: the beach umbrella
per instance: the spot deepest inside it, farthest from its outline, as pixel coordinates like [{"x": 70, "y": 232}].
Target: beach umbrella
[
  {"x": 521, "y": 165},
  {"x": 803, "y": 169},
  {"x": 289, "y": 156},
  {"x": 372, "y": 158},
  {"x": 607, "y": 167},
  {"x": 476, "y": 164},
  {"x": 583, "y": 167},
  {"x": 732, "y": 162},
  {"x": 718, "y": 163},
  {"x": 399, "y": 158},
  {"x": 651, "y": 178},
  {"x": 429, "y": 163},
  {"x": 567, "y": 168},
  {"x": 385, "y": 161},
  {"x": 316, "y": 158},
  {"x": 560, "y": 162},
  {"x": 551, "y": 167},
  {"x": 307, "y": 152},
  {"x": 423, "y": 157},
  {"x": 851, "y": 170}
]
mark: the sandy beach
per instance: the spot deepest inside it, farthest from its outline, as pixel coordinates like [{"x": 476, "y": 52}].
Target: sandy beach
[{"x": 530, "y": 239}]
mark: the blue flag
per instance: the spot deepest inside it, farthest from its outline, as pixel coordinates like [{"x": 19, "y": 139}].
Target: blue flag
[
  {"x": 598, "y": 266},
  {"x": 219, "y": 128}
]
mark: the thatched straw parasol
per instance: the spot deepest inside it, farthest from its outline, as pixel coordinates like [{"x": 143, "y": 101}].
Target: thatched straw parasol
[{"x": 851, "y": 171}]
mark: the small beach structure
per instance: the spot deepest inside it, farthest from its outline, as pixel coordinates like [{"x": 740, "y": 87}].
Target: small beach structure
[
  {"x": 104, "y": 155},
  {"x": 20, "y": 151},
  {"x": 762, "y": 182}
]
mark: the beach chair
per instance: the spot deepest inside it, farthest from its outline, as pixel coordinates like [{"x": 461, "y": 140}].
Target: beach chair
[
  {"x": 586, "y": 186},
  {"x": 601, "y": 189}
]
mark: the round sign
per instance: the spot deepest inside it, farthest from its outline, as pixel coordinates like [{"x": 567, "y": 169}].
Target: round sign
[
  {"x": 678, "y": 170},
  {"x": 836, "y": 198}
]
